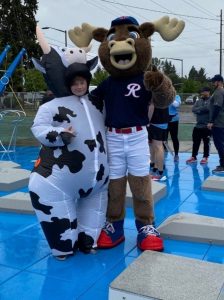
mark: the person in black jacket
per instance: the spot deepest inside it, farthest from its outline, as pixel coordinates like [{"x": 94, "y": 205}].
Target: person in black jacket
[
  {"x": 48, "y": 97},
  {"x": 216, "y": 120},
  {"x": 201, "y": 131}
]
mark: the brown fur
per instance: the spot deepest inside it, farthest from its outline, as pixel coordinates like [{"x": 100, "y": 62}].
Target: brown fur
[
  {"x": 142, "y": 198},
  {"x": 116, "y": 199},
  {"x": 160, "y": 85},
  {"x": 142, "y": 48}
]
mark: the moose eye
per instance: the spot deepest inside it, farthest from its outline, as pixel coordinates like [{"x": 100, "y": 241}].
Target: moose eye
[
  {"x": 71, "y": 51},
  {"x": 134, "y": 35},
  {"x": 63, "y": 49},
  {"x": 110, "y": 37}
]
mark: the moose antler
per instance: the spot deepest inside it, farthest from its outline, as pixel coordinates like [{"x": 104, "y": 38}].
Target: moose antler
[
  {"x": 81, "y": 37},
  {"x": 169, "y": 29}
]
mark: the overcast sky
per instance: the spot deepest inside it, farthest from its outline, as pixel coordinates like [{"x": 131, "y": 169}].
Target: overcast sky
[{"x": 197, "y": 45}]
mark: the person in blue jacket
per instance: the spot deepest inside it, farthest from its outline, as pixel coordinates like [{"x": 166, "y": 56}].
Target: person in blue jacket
[{"x": 173, "y": 125}]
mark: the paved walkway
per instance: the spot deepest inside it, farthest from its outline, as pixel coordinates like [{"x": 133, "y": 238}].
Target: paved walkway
[{"x": 186, "y": 146}]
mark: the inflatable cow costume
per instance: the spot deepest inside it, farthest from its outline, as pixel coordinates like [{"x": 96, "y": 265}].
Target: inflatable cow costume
[
  {"x": 125, "y": 52},
  {"x": 68, "y": 185}
]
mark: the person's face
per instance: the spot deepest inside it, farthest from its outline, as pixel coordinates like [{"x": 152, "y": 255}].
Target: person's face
[
  {"x": 214, "y": 83},
  {"x": 79, "y": 86},
  {"x": 205, "y": 94}
]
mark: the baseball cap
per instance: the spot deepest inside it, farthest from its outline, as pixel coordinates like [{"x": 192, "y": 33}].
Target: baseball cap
[
  {"x": 205, "y": 89},
  {"x": 124, "y": 20},
  {"x": 217, "y": 77}
]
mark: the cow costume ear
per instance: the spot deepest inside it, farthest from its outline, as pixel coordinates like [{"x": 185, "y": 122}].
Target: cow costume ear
[
  {"x": 92, "y": 63},
  {"x": 147, "y": 29},
  {"x": 100, "y": 34}
]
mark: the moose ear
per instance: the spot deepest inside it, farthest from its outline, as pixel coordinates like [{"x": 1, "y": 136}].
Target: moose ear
[
  {"x": 147, "y": 29},
  {"x": 99, "y": 34},
  {"x": 92, "y": 63}
]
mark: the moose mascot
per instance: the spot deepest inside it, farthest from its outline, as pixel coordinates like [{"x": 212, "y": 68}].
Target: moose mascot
[{"x": 133, "y": 84}]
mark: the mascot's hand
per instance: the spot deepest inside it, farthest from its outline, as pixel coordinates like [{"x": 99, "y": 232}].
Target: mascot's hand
[
  {"x": 161, "y": 87},
  {"x": 153, "y": 79}
]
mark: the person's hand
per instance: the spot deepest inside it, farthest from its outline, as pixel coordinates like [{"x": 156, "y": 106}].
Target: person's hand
[
  {"x": 70, "y": 130},
  {"x": 210, "y": 125},
  {"x": 67, "y": 135}
]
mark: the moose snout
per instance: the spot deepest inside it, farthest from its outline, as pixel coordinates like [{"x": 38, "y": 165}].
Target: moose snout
[{"x": 126, "y": 44}]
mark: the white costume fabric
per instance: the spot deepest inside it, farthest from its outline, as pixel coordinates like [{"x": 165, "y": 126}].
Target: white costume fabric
[{"x": 68, "y": 185}]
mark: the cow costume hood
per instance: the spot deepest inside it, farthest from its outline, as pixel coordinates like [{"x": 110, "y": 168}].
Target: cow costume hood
[
  {"x": 77, "y": 69},
  {"x": 56, "y": 63}
]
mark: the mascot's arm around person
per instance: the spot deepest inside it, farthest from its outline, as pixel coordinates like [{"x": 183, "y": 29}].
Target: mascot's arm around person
[
  {"x": 68, "y": 185},
  {"x": 125, "y": 53}
]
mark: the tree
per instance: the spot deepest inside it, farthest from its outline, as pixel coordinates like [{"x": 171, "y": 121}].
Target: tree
[
  {"x": 18, "y": 29},
  {"x": 18, "y": 25},
  {"x": 197, "y": 75},
  {"x": 34, "y": 81},
  {"x": 202, "y": 76},
  {"x": 193, "y": 74},
  {"x": 190, "y": 86}
]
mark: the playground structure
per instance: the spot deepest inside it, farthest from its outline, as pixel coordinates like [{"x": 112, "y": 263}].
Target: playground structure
[{"x": 15, "y": 116}]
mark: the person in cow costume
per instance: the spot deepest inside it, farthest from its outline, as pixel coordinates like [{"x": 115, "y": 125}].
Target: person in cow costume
[
  {"x": 125, "y": 53},
  {"x": 68, "y": 185}
]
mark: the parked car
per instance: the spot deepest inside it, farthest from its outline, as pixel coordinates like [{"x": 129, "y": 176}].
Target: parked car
[{"x": 191, "y": 99}]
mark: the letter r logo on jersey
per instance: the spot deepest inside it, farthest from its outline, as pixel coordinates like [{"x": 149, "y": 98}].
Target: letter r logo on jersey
[{"x": 133, "y": 87}]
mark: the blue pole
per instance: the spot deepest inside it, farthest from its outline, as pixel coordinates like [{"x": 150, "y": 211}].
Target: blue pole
[
  {"x": 9, "y": 72},
  {"x": 3, "y": 54}
]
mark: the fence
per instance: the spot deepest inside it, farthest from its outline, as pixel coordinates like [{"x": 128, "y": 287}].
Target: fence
[{"x": 30, "y": 102}]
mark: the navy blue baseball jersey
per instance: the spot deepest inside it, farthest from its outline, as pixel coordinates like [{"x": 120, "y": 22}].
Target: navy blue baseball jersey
[{"x": 126, "y": 101}]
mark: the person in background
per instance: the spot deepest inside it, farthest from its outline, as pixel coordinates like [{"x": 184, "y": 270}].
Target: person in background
[
  {"x": 174, "y": 124},
  {"x": 157, "y": 135},
  {"x": 48, "y": 96},
  {"x": 216, "y": 120},
  {"x": 201, "y": 131}
]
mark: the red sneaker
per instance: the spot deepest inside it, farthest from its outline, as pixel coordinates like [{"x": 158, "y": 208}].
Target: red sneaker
[
  {"x": 159, "y": 177},
  {"x": 191, "y": 160},
  {"x": 111, "y": 235},
  {"x": 149, "y": 239},
  {"x": 204, "y": 160}
]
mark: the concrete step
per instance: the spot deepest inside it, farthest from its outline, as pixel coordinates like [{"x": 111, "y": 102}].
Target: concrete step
[
  {"x": 13, "y": 178},
  {"x": 161, "y": 276},
  {"x": 191, "y": 227},
  {"x": 17, "y": 202},
  {"x": 214, "y": 183},
  {"x": 8, "y": 164}
]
